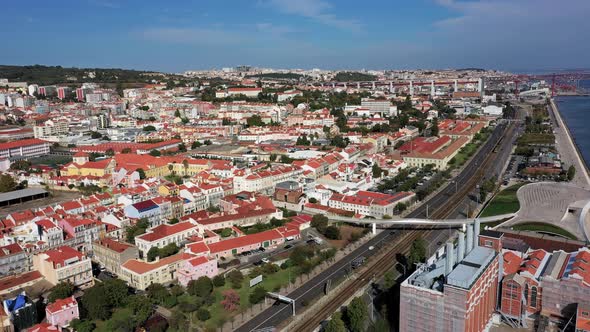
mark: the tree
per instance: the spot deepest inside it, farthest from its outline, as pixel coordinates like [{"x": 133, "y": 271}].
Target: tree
[
  {"x": 195, "y": 145},
  {"x": 377, "y": 171},
  {"x": 417, "y": 252},
  {"x": 157, "y": 293},
  {"x": 335, "y": 324},
  {"x": 126, "y": 151},
  {"x": 319, "y": 222},
  {"x": 434, "y": 128},
  {"x": 357, "y": 314},
  {"x": 332, "y": 232},
  {"x": 302, "y": 140},
  {"x": 178, "y": 321},
  {"x": 82, "y": 325},
  {"x": 257, "y": 295},
  {"x": 155, "y": 153},
  {"x": 61, "y": 291},
  {"x": 401, "y": 207},
  {"x": 201, "y": 287},
  {"x": 571, "y": 172},
  {"x": 219, "y": 280},
  {"x": 300, "y": 254},
  {"x": 141, "y": 173},
  {"x": 177, "y": 114},
  {"x": 203, "y": 314},
  {"x": 110, "y": 152},
  {"x": 141, "y": 307},
  {"x": 181, "y": 147},
  {"x": 312, "y": 200},
  {"x": 235, "y": 277},
  {"x": 207, "y": 142},
  {"x": 7, "y": 183},
  {"x": 339, "y": 142},
  {"x": 95, "y": 135},
  {"x": 231, "y": 300},
  {"x": 152, "y": 254},
  {"x": 255, "y": 121},
  {"x": 149, "y": 128},
  {"x": 96, "y": 303},
  {"x": 21, "y": 165}
]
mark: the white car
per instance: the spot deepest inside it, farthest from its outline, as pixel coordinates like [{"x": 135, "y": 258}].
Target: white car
[{"x": 265, "y": 260}]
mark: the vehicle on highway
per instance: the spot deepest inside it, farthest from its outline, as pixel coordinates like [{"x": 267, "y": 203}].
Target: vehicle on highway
[
  {"x": 357, "y": 262},
  {"x": 371, "y": 248}
]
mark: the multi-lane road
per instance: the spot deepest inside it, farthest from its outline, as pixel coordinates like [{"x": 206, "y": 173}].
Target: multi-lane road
[{"x": 312, "y": 289}]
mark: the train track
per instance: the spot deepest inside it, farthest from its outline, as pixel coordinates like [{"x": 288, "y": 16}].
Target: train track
[{"x": 377, "y": 268}]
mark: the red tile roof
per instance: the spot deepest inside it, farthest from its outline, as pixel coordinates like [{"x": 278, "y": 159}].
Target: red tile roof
[
  {"x": 162, "y": 231},
  {"x": 21, "y": 143},
  {"x": 16, "y": 280},
  {"x": 61, "y": 255},
  {"x": 142, "y": 267},
  {"x": 61, "y": 304},
  {"x": 114, "y": 245}
]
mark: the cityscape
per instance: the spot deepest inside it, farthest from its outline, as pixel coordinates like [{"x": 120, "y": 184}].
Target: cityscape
[{"x": 323, "y": 189}]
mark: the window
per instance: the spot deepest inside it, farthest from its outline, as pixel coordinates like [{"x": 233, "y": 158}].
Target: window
[
  {"x": 488, "y": 243},
  {"x": 585, "y": 313},
  {"x": 526, "y": 294},
  {"x": 534, "y": 296}
]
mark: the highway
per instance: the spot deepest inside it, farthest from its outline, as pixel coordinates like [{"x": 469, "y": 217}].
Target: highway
[{"x": 280, "y": 312}]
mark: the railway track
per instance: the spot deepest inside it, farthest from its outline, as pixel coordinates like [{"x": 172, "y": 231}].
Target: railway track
[{"x": 377, "y": 268}]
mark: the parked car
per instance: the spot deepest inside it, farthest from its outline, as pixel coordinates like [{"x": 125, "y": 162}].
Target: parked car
[
  {"x": 266, "y": 260},
  {"x": 288, "y": 246}
]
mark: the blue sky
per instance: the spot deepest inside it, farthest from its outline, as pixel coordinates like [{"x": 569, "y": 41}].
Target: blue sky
[{"x": 332, "y": 34}]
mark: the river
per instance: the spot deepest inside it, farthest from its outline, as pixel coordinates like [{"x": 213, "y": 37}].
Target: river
[{"x": 575, "y": 111}]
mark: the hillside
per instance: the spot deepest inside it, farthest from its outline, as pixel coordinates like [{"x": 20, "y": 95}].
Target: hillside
[
  {"x": 46, "y": 75},
  {"x": 346, "y": 76}
]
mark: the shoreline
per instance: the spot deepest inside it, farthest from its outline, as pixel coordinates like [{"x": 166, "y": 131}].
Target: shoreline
[{"x": 572, "y": 142}]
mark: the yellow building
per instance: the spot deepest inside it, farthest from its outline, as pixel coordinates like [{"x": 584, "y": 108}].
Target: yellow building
[{"x": 94, "y": 168}]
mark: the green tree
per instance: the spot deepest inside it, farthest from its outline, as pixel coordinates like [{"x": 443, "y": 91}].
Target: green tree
[
  {"x": 195, "y": 145},
  {"x": 357, "y": 314},
  {"x": 203, "y": 314},
  {"x": 141, "y": 173},
  {"x": 434, "y": 128},
  {"x": 126, "y": 151},
  {"x": 255, "y": 121},
  {"x": 319, "y": 222},
  {"x": 257, "y": 295},
  {"x": 95, "y": 135},
  {"x": 155, "y": 153},
  {"x": 339, "y": 142},
  {"x": 571, "y": 172},
  {"x": 82, "y": 325},
  {"x": 377, "y": 171},
  {"x": 157, "y": 293},
  {"x": 336, "y": 324},
  {"x": 21, "y": 165},
  {"x": 110, "y": 152},
  {"x": 152, "y": 254},
  {"x": 7, "y": 183},
  {"x": 332, "y": 232},
  {"x": 201, "y": 287},
  {"x": 302, "y": 140},
  {"x": 178, "y": 321},
  {"x": 219, "y": 280},
  {"x": 181, "y": 147},
  {"x": 312, "y": 200},
  {"x": 401, "y": 207},
  {"x": 61, "y": 291},
  {"x": 417, "y": 252},
  {"x": 235, "y": 277},
  {"x": 96, "y": 303},
  {"x": 141, "y": 307},
  {"x": 149, "y": 128}
]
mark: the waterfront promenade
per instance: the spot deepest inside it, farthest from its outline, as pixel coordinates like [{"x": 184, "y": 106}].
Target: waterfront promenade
[{"x": 567, "y": 149}]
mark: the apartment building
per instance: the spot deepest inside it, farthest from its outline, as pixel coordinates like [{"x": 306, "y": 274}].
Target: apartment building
[
  {"x": 64, "y": 264},
  {"x": 111, "y": 254},
  {"x": 369, "y": 203},
  {"x": 32, "y": 147},
  {"x": 164, "y": 234},
  {"x": 140, "y": 274},
  {"x": 61, "y": 312}
]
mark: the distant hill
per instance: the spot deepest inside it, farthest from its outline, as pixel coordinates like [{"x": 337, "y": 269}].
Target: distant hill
[
  {"x": 47, "y": 75},
  {"x": 280, "y": 76},
  {"x": 349, "y": 76}
]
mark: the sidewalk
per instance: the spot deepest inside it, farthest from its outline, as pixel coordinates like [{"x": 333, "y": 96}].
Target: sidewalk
[{"x": 567, "y": 148}]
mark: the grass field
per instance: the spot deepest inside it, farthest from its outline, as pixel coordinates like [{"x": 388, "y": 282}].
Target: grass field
[
  {"x": 504, "y": 202},
  {"x": 544, "y": 228}
]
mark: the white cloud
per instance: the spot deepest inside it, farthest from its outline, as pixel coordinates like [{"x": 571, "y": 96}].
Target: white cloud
[{"x": 317, "y": 10}]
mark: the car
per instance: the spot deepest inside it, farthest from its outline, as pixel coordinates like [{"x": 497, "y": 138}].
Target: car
[
  {"x": 310, "y": 241},
  {"x": 288, "y": 246},
  {"x": 261, "y": 249},
  {"x": 265, "y": 260},
  {"x": 246, "y": 253},
  {"x": 258, "y": 263},
  {"x": 371, "y": 248}
]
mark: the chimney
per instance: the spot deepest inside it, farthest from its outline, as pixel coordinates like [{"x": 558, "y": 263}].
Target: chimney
[
  {"x": 476, "y": 227},
  {"x": 450, "y": 258},
  {"x": 469, "y": 239},
  {"x": 461, "y": 247}
]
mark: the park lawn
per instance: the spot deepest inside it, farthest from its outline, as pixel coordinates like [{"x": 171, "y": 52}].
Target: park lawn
[
  {"x": 270, "y": 283},
  {"x": 536, "y": 138},
  {"x": 544, "y": 228},
  {"x": 469, "y": 150},
  {"x": 504, "y": 202}
]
